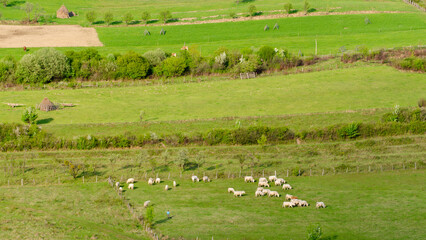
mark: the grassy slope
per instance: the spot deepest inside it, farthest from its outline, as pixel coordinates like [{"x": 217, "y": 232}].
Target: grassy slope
[
  {"x": 192, "y": 8},
  {"x": 360, "y": 206},
  {"x": 65, "y": 212},
  {"x": 356, "y": 88}
]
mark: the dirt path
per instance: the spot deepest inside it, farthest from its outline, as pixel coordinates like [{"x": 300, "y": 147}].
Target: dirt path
[{"x": 15, "y": 36}]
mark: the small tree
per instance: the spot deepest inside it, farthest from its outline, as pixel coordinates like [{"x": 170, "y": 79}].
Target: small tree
[
  {"x": 29, "y": 7},
  {"x": 145, "y": 17},
  {"x": 128, "y": 18},
  {"x": 262, "y": 140},
  {"x": 288, "y": 7},
  {"x": 306, "y": 7},
  {"x": 108, "y": 17},
  {"x": 30, "y": 115},
  {"x": 74, "y": 169},
  {"x": 182, "y": 159},
  {"x": 252, "y": 10},
  {"x": 91, "y": 16},
  {"x": 149, "y": 216},
  {"x": 314, "y": 233},
  {"x": 241, "y": 159},
  {"x": 200, "y": 159},
  {"x": 4, "y": 2},
  {"x": 165, "y": 16}
]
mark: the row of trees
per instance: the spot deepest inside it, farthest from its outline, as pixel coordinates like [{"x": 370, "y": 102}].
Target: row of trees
[{"x": 128, "y": 18}]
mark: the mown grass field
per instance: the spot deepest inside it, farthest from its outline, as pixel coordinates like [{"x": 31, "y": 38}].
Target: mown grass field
[
  {"x": 336, "y": 90},
  {"x": 74, "y": 211},
  {"x": 360, "y": 206},
  {"x": 192, "y": 8}
]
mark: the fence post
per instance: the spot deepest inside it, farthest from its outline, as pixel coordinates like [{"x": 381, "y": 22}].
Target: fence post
[
  {"x": 216, "y": 174},
  {"x": 275, "y": 173},
  {"x": 299, "y": 172},
  {"x": 415, "y": 165},
  {"x": 287, "y": 172},
  {"x": 310, "y": 172},
  {"x": 323, "y": 172},
  {"x": 347, "y": 169},
  {"x": 96, "y": 178}
]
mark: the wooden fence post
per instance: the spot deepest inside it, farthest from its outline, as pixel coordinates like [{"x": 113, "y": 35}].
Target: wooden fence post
[
  {"x": 287, "y": 172},
  {"x": 96, "y": 178},
  {"x": 415, "y": 165}
]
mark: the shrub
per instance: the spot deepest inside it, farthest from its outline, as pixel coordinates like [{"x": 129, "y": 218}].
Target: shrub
[
  {"x": 350, "y": 131},
  {"x": 232, "y": 15},
  {"x": 84, "y": 63},
  {"x": 405, "y": 115},
  {"x": 172, "y": 67},
  {"x": 165, "y": 16},
  {"x": 128, "y": 18},
  {"x": 314, "y": 233},
  {"x": 249, "y": 64},
  {"x": 413, "y": 63},
  {"x": 108, "y": 17},
  {"x": 149, "y": 216},
  {"x": 306, "y": 7},
  {"x": 266, "y": 53},
  {"x": 91, "y": 16},
  {"x": 145, "y": 16},
  {"x": 288, "y": 7},
  {"x": 155, "y": 57},
  {"x": 43, "y": 66},
  {"x": 7, "y": 68},
  {"x": 132, "y": 65},
  {"x": 421, "y": 103},
  {"x": 30, "y": 115},
  {"x": 252, "y": 10}
]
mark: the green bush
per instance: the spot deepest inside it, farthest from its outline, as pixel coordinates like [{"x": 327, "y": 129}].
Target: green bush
[
  {"x": 155, "y": 57},
  {"x": 252, "y": 10},
  {"x": 108, "y": 17},
  {"x": 247, "y": 64},
  {"x": 172, "y": 67},
  {"x": 266, "y": 53},
  {"x": 84, "y": 64},
  {"x": 30, "y": 115},
  {"x": 350, "y": 131},
  {"x": 7, "y": 68},
  {"x": 413, "y": 63},
  {"x": 405, "y": 115},
  {"x": 132, "y": 65},
  {"x": 91, "y": 16},
  {"x": 44, "y": 66}
]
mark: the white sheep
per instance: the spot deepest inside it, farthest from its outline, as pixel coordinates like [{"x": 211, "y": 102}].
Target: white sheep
[
  {"x": 273, "y": 194},
  {"x": 303, "y": 203},
  {"x": 166, "y": 187},
  {"x": 288, "y": 204},
  {"x": 195, "y": 179},
  {"x": 120, "y": 189},
  {"x": 174, "y": 184},
  {"x": 263, "y": 184},
  {"x": 279, "y": 181},
  {"x": 320, "y": 205},
  {"x": 157, "y": 180},
  {"x": 150, "y": 181},
  {"x": 206, "y": 179},
  {"x": 130, "y": 180},
  {"x": 287, "y": 186},
  {"x": 231, "y": 190},
  {"x": 259, "y": 189},
  {"x": 117, "y": 184},
  {"x": 146, "y": 203},
  {"x": 239, "y": 193},
  {"x": 131, "y": 186},
  {"x": 259, "y": 193},
  {"x": 296, "y": 202},
  {"x": 263, "y": 180},
  {"x": 266, "y": 191},
  {"x": 272, "y": 178},
  {"x": 249, "y": 179},
  {"x": 288, "y": 197}
]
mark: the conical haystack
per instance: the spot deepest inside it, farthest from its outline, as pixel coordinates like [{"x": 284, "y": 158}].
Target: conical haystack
[
  {"x": 47, "y": 105},
  {"x": 63, "y": 12}
]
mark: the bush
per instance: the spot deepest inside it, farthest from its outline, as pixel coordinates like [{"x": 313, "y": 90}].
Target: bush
[
  {"x": 413, "y": 63},
  {"x": 405, "y": 115},
  {"x": 249, "y": 64},
  {"x": 84, "y": 64},
  {"x": 266, "y": 53},
  {"x": 145, "y": 16},
  {"x": 288, "y": 7},
  {"x": 7, "y": 68},
  {"x": 172, "y": 67},
  {"x": 44, "y": 66},
  {"x": 128, "y": 18},
  {"x": 30, "y": 115},
  {"x": 108, "y": 17},
  {"x": 155, "y": 57},
  {"x": 165, "y": 16},
  {"x": 349, "y": 131},
  {"x": 252, "y": 10},
  {"x": 132, "y": 65},
  {"x": 91, "y": 16}
]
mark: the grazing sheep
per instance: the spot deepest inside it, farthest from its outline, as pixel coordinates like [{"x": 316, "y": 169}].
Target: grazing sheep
[
  {"x": 206, "y": 179},
  {"x": 288, "y": 196},
  {"x": 259, "y": 193},
  {"x": 266, "y": 191},
  {"x": 157, "y": 180},
  {"x": 117, "y": 184},
  {"x": 279, "y": 181},
  {"x": 272, "y": 178},
  {"x": 174, "y": 184},
  {"x": 273, "y": 194},
  {"x": 303, "y": 203},
  {"x": 120, "y": 189},
  {"x": 259, "y": 189},
  {"x": 288, "y": 204},
  {"x": 296, "y": 202},
  {"x": 166, "y": 187},
  {"x": 195, "y": 179},
  {"x": 130, "y": 180},
  {"x": 263, "y": 180},
  {"x": 249, "y": 179},
  {"x": 231, "y": 190},
  {"x": 287, "y": 186},
  {"x": 320, "y": 205},
  {"x": 263, "y": 184},
  {"x": 239, "y": 193},
  {"x": 150, "y": 181},
  {"x": 131, "y": 186},
  {"x": 146, "y": 203}
]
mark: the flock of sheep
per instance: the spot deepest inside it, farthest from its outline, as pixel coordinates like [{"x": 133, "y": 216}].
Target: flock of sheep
[{"x": 262, "y": 191}]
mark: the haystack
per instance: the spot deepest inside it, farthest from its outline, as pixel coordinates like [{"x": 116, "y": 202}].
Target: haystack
[
  {"x": 63, "y": 12},
  {"x": 47, "y": 105}
]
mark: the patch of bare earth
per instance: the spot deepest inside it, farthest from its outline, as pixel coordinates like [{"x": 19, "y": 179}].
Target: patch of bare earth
[{"x": 13, "y": 36}]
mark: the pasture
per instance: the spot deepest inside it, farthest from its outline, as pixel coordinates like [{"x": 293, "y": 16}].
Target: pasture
[
  {"x": 347, "y": 89},
  {"x": 359, "y": 206}
]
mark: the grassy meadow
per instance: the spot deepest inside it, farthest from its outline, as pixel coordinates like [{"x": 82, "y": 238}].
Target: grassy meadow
[
  {"x": 73, "y": 211},
  {"x": 360, "y": 206}
]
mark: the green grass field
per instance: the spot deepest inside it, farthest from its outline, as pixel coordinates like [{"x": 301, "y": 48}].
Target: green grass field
[
  {"x": 360, "y": 206},
  {"x": 77, "y": 211},
  {"x": 336, "y": 90},
  {"x": 192, "y": 8}
]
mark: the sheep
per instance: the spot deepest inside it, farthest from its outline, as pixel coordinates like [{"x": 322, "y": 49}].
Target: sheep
[
  {"x": 263, "y": 180},
  {"x": 146, "y": 203},
  {"x": 206, "y": 179},
  {"x": 279, "y": 181},
  {"x": 296, "y": 202},
  {"x": 320, "y": 205},
  {"x": 130, "y": 180},
  {"x": 120, "y": 189},
  {"x": 239, "y": 193},
  {"x": 259, "y": 189},
  {"x": 272, "y": 178},
  {"x": 303, "y": 203},
  {"x": 288, "y": 204},
  {"x": 131, "y": 186},
  {"x": 266, "y": 191},
  {"x": 259, "y": 193},
  {"x": 157, "y": 180},
  {"x": 288, "y": 196},
  {"x": 249, "y": 179},
  {"x": 174, "y": 184},
  {"x": 166, "y": 187},
  {"x": 286, "y": 186},
  {"x": 117, "y": 184},
  {"x": 273, "y": 194},
  {"x": 231, "y": 190},
  {"x": 150, "y": 181},
  {"x": 195, "y": 179},
  {"x": 263, "y": 184}
]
